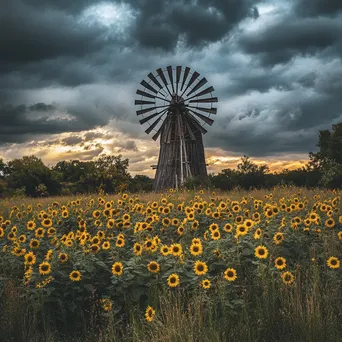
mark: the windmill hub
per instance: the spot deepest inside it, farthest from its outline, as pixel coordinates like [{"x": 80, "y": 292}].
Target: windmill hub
[
  {"x": 177, "y": 104},
  {"x": 177, "y": 91}
]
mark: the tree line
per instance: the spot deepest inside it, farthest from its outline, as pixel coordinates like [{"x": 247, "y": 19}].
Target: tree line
[{"x": 29, "y": 176}]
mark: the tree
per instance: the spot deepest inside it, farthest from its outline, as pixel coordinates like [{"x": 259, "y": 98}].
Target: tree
[
  {"x": 29, "y": 172},
  {"x": 112, "y": 173},
  {"x": 140, "y": 183},
  {"x": 328, "y": 160}
]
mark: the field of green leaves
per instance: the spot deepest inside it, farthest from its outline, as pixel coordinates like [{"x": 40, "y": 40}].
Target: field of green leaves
[{"x": 178, "y": 266}]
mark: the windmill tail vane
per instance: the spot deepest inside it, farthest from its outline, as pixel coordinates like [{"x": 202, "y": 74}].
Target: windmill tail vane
[{"x": 176, "y": 104}]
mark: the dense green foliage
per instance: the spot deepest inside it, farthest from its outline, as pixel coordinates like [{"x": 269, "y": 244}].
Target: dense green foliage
[{"x": 29, "y": 176}]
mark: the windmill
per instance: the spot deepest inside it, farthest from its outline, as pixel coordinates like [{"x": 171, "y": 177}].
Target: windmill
[{"x": 176, "y": 106}]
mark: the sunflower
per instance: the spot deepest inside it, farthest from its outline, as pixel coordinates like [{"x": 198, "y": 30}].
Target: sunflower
[
  {"x": 149, "y": 314},
  {"x": 96, "y": 214},
  {"x": 228, "y": 227},
  {"x": 63, "y": 257},
  {"x": 196, "y": 241},
  {"x": 44, "y": 268},
  {"x": 30, "y": 225},
  {"x": 241, "y": 229},
  {"x": 180, "y": 230},
  {"x": 30, "y": 258},
  {"x": 216, "y": 235},
  {"x": 256, "y": 216},
  {"x": 164, "y": 250},
  {"x": 288, "y": 278},
  {"x": 257, "y": 234},
  {"x": 166, "y": 221},
  {"x": 153, "y": 267},
  {"x": 213, "y": 227},
  {"x": 176, "y": 249},
  {"x": 51, "y": 231},
  {"x": 280, "y": 263},
  {"x": 205, "y": 283},
  {"x": 137, "y": 249},
  {"x": 249, "y": 223},
  {"x": 196, "y": 249},
  {"x": 333, "y": 262},
  {"x": 339, "y": 235},
  {"x": 230, "y": 274},
  {"x": 11, "y": 236},
  {"x": 39, "y": 233},
  {"x": 110, "y": 223},
  {"x": 34, "y": 243},
  {"x": 278, "y": 238},
  {"x": 330, "y": 223},
  {"x": 21, "y": 238},
  {"x": 190, "y": 216},
  {"x": 75, "y": 275},
  {"x": 166, "y": 210},
  {"x": 47, "y": 223},
  {"x": 261, "y": 252},
  {"x": 117, "y": 268},
  {"x": 238, "y": 219},
  {"x": 200, "y": 268},
  {"x": 173, "y": 280},
  {"x": 236, "y": 208},
  {"x": 120, "y": 243}
]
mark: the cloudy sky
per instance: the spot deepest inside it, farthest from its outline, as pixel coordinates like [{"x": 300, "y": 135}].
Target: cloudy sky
[{"x": 69, "y": 71}]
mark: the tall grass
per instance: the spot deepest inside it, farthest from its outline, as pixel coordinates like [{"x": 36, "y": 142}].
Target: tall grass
[{"x": 309, "y": 310}]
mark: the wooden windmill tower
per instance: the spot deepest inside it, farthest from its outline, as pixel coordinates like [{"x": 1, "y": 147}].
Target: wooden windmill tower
[{"x": 175, "y": 105}]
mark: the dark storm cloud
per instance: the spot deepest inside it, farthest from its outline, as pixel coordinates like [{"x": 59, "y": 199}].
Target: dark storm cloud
[
  {"x": 318, "y": 7},
  {"x": 161, "y": 24},
  {"x": 20, "y": 123},
  {"x": 29, "y": 34},
  {"x": 291, "y": 37},
  {"x": 48, "y": 44}
]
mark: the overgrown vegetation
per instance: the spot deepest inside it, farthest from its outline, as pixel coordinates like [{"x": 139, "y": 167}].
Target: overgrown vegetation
[
  {"x": 180, "y": 266},
  {"x": 28, "y": 176}
]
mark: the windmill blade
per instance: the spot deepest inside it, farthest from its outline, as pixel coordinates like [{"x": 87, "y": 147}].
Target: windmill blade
[
  {"x": 178, "y": 74},
  {"x": 163, "y": 78},
  {"x": 185, "y": 76},
  {"x": 192, "y": 80},
  {"x": 157, "y": 83},
  {"x": 142, "y": 121},
  {"x": 203, "y": 92},
  {"x": 200, "y": 84},
  {"x": 154, "y": 80},
  {"x": 149, "y": 130},
  {"x": 143, "y": 93},
  {"x": 196, "y": 123},
  {"x": 169, "y": 71},
  {"x": 149, "y": 87},
  {"x": 208, "y": 100},
  {"x": 155, "y": 137},
  {"x": 143, "y": 111},
  {"x": 206, "y": 110},
  {"x": 142, "y": 102},
  {"x": 203, "y": 117}
]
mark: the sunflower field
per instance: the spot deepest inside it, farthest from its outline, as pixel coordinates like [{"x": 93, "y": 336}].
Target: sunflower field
[{"x": 178, "y": 266}]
